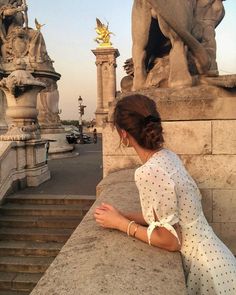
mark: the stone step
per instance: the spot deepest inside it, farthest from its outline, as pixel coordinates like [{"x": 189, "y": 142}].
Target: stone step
[
  {"x": 25, "y": 264},
  {"x": 29, "y": 248},
  {"x": 35, "y": 234},
  {"x": 19, "y": 281},
  {"x": 42, "y": 210},
  {"x": 51, "y": 199},
  {"x": 40, "y": 221}
]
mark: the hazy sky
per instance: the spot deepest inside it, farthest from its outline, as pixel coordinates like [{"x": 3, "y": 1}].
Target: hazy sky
[{"x": 69, "y": 34}]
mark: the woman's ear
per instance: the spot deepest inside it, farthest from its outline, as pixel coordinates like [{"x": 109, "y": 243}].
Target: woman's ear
[{"x": 124, "y": 134}]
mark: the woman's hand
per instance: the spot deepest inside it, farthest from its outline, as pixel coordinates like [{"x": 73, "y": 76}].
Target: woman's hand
[{"x": 108, "y": 216}]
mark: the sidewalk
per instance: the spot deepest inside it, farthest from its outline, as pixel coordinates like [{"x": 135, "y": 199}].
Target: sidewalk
[{"x": 77, "y": 175}]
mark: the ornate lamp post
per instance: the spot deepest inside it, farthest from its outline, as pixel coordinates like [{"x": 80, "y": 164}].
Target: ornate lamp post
[{"x": 81, "y": 113}]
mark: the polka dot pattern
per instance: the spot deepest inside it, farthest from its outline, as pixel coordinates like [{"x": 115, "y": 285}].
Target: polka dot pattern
[{"x": 167, "y": 191}]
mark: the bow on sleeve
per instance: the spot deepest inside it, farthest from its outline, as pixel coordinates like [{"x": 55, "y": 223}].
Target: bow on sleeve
[{"x": 164, "y": 224}]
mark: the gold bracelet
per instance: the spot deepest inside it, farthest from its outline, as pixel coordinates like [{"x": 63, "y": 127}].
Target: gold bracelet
[
  {"x": 128, "y": 228},
  {"x": 135, "y": 230}
]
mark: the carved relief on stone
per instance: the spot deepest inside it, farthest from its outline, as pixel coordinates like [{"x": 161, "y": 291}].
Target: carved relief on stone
[
  {"x": 19, "y": 41},
  {"x": 21, "y": 90},
  {"x": 47, "y": 104}
]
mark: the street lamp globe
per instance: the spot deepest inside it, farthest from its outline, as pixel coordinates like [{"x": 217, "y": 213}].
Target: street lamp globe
[{"x": 80, "y": 100}]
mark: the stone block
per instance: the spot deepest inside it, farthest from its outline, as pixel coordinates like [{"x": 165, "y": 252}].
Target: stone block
[
  {"x": 202, "y": 102},
  {"x": 198, "y": 108},
  {"x": 224, "y": 137},
  {"x": 21, "y": 158},
  {"x": 116, "y": 163},
  {"x": 207, "y": 204},
  {"x": 188, "y": 137},
  {"x": 212, "y": 171},
  {"x": 226, "y": 232},
  {"x": 37, "y": 175},
  {"x": 40, "y": 155},
  {"x": 111, "y": 143},
  {"x": 224, "y": 206}
]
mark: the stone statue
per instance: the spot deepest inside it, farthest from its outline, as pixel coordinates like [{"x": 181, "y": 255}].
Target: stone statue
[
  {"x": 21, "y": 90},
  {"x": 103, "y": 32},
  {"x": 36, "y": 105},
  {"x": 173, "y": 42},
  {"x": 48, "y": 104},
  {"x": 207, "y": 16},
  {"x": 19, "y": 41},
  {"x": 38, "y": 25}
]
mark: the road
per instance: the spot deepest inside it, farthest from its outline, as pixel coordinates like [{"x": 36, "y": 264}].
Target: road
[{"x": 75, "y": 175}]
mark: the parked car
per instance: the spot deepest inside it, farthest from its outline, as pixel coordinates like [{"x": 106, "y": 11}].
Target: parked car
[
  {"x": 86, "y": 139},
  {"x": 75, "y": 138},
  {"x": 71, "y": 138}
]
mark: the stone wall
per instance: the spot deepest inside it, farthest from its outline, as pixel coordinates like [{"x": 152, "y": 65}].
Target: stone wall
[
  {"x": 199, "y": 125},
  {"x": 99, "y": 261}
]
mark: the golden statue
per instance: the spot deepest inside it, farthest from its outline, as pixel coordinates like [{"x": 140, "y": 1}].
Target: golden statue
[
  {"x": 38, "y": 25},
  {"x": 103, "y": 38}
]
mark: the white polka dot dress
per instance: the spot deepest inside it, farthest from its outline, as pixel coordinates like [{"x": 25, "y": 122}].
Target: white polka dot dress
[{"x": 168, "y": 192}]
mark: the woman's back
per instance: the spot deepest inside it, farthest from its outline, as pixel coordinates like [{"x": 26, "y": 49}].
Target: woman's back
[
  {"x": 209, "y": 266},
  {"x": 187, "y": 192}
]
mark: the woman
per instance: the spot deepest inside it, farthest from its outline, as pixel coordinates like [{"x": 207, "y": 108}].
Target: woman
[{"x": 172, "y": 216}]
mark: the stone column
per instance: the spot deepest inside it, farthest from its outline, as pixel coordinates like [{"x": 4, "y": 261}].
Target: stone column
[
  {"x": 99, "y": 86},
  {"x": 3, "y": 105},
  {"x": 106, "y": 81}
]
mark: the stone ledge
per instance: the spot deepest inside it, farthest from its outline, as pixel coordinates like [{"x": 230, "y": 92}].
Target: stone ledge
[
  {"x": 202, "y": 102},
  {"x": 224, "y": 137},
  {"x": 99, "y": 261}
]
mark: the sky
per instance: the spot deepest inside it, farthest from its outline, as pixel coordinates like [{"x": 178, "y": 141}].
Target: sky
[{"x": 69, "y": 33}]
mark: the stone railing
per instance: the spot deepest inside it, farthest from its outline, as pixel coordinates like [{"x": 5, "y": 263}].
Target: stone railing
[
  {"x": 10, "y": 170},
  {"x": 22, "y": 164},
  {"x": 99, "y": 261}
]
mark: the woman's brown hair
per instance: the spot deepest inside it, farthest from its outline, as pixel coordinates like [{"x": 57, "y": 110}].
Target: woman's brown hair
[{"x": 137, "y": 114}]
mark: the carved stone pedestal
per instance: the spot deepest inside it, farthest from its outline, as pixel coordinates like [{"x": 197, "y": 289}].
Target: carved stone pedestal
[
  {"x": 50, "y": 124},
  {"x": 37, "y": 170},
  {"x": 21, "y": 90},
  {"x": 58, "y": 145},
  {"x": 22, "y": 152},
  {"x": 199, "y": 125},
  {"x": 106, "y": 81}
]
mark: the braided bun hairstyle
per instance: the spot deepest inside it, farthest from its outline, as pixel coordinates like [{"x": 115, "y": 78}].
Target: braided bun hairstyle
[{"x": 137, "y": 114}]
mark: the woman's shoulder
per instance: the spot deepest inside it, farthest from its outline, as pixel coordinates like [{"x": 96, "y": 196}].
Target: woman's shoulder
[
  {"x": 149, "y": 169},
  {"x": 163, "y": 162}
]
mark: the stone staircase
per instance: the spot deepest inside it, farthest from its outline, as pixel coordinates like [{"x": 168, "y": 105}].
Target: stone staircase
[{"x": 33, "y": 229}]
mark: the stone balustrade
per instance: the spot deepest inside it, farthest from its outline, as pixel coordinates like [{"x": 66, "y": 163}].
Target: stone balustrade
[
  {"x": 101, "y": 261},
  {"x": 22, "y": 164}
]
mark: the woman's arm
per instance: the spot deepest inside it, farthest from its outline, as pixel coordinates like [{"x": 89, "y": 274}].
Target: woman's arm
[
  {"x": 108, "y": 217},
  {"x": 136, "y": 216},
  {"x": 160, "y": 237}
]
